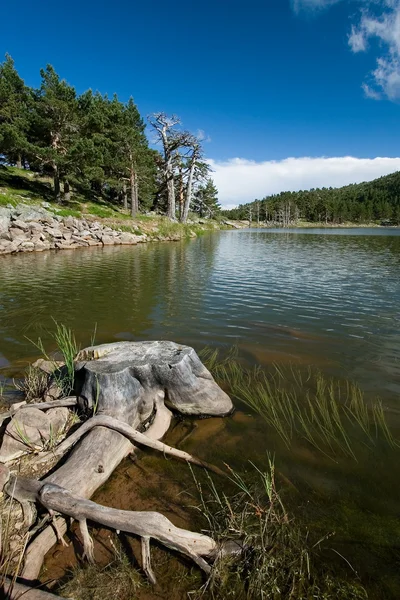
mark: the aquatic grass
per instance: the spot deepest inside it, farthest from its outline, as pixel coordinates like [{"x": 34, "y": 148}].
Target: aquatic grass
[
  {"x": 67, "y": 345},
  {"x": 274, "y": 556},
  {"x": 118, "y": 579},
  {"x": 330, "y": 415}
]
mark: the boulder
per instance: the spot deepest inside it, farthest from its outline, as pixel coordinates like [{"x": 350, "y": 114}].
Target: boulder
[
  {"x": 107, "y": 240},
  {"x": 26, "y": 246},
  {"x": 17, "y": 234},
  {"x": 31, "y": 429},
  {"x": 128, "y": 238}
]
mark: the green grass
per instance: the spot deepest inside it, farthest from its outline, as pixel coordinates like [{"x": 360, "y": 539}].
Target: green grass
[
  {"x": 119, "y": 579},
  {"x": 126, "y": 228},
  {"x": 332, "y": 416},
  {"x": 69, "y": 212},
  {"x": 279, "y": 559}
]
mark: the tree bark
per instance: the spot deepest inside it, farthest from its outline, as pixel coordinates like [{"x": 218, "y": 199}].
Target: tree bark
[
  {"x": 134, "y": 193},
  {"x": 19, "y": 162},
  {"x": 56, "y": 179},
  {"x": 67, "y": 191},
  {"x": 125, "y": 196},
  {"x": 188, "y": 191}
]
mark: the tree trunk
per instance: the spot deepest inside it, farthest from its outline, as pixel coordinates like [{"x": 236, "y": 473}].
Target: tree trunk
[
  {"x": 125, "y": 196},
  {"x": 57, "y": 189},
  {"x": 134, "y": 193},
  {"x": 171, "y": 194},
  {"x": 188, "y": 192},
  {"x": 19, "y": 161},
  {"x": 127, "y": 381},
  {"x": 67, "y": 192},
  {"x": 181, "y": 194}
]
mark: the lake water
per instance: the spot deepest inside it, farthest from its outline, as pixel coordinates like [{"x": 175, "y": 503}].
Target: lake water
[{"x": 328, "y": 298}]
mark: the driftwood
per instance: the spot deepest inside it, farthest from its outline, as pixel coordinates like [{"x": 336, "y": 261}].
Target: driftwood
[
  {"x": 133, "y": 435},
  {"x": 145, "y": 524},
  {"x": 127, "y": 385},
  {"x": 17, "y": 591}
]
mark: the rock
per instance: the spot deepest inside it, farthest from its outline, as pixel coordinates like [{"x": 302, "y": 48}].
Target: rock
[
  {"x": 17, "y": 234},
  {"x": 40, "y": 245},
  {"x": 25, "y": 432},
  {"x": 17, "y": 405},
  {"x": 54, "y": 392},
  {"x": 27, "y": 246},
  {"x": 4, "y": 223},
  {"x": 21, "y": 224},
  {"x": 26, "y": 212},
  {"x": 55, "y": 233},
  {"x": 5, "y": 235},
  {"x": 58, "y": 418},
  {"x": 107, "y": 240},
  {"x": 47, "y": 366},
  {"x": 134, "y": 372},
  {"x": 7, "y": 247},
  {"x": 128, "y": 238}
]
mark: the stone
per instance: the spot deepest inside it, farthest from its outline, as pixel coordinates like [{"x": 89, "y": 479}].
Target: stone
[
  {"x": 40, "y": 246},
  {"x": 26, "y": 431},
  {"x": 55, "y": 233},
  {"x": 5, "y": 235},
  {"x": 128, "y": 238},
  {"x": 21, "y": 224},
  {"x": 107, "y": 240},
  {"x": 47, "y": 366},
  {"x": 58, "y": 418},
  {"x": 17, "y": 233},
  {"x": 53, "y": 393},
  {"x": 4, "y": 223},
  {"x": 27, "y": 246}
]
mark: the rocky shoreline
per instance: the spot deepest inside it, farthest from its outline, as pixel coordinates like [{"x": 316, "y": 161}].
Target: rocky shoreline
[
  {"x": 27, "y": 228},
  {"x": 35, "y": 229}
]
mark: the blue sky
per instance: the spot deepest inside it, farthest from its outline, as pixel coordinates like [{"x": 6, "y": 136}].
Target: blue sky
[{"x": 265, "y": 80}]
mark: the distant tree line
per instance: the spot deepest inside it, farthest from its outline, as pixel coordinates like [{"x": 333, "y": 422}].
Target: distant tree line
[
  {"x": 374, "y": 201},
  {"x": 96, "y": 147}
]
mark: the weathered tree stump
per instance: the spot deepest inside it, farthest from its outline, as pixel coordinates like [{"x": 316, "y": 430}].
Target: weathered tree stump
[{"x": 131, "y": 382}]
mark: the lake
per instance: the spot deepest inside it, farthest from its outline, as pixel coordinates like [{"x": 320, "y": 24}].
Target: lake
[{"x": 328, "y": 299}]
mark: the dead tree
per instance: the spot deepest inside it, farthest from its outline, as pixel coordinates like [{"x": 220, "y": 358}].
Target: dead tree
[{"x": 123, "y": 385}]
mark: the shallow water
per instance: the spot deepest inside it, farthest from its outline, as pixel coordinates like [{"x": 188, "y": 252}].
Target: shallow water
[{"x": 329, "y": 299}]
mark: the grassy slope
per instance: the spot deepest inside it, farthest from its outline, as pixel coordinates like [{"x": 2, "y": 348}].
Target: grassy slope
[{"x": 19, "y": 186}]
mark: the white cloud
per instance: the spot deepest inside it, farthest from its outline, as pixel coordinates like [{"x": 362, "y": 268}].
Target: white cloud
[
  {"x": 383, "y": 26},
  {"x": 239, "y": 180}
]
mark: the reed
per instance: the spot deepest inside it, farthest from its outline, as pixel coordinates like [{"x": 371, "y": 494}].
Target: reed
[
  {"x": 332, "y": 416},
  {"x": 275, "y": 557}
]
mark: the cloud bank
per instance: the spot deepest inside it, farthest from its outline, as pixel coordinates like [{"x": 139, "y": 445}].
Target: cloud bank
[{"x": 239, "y": 180}]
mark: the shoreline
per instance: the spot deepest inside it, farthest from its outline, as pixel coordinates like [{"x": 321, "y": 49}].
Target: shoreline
[{"x": 27, "y": 228}]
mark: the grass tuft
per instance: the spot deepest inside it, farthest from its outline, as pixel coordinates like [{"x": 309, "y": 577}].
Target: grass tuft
[
  {"x": 119, "y": 579},
  {"x": 278, "y": 559}
]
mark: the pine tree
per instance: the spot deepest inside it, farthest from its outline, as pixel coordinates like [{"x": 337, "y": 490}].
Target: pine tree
[
  {"x": 206, "y": 200},
  {"x": 55, "y": 128},
  {"x": 14, "y": 113}
]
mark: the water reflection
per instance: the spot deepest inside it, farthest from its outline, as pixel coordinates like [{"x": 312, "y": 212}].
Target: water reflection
[{"x": 330, "y": 300}]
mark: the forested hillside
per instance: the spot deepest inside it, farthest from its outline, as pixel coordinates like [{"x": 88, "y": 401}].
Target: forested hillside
[
  {"x": 94, "y": 146},
  {"x": 377, "y": 200}
]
